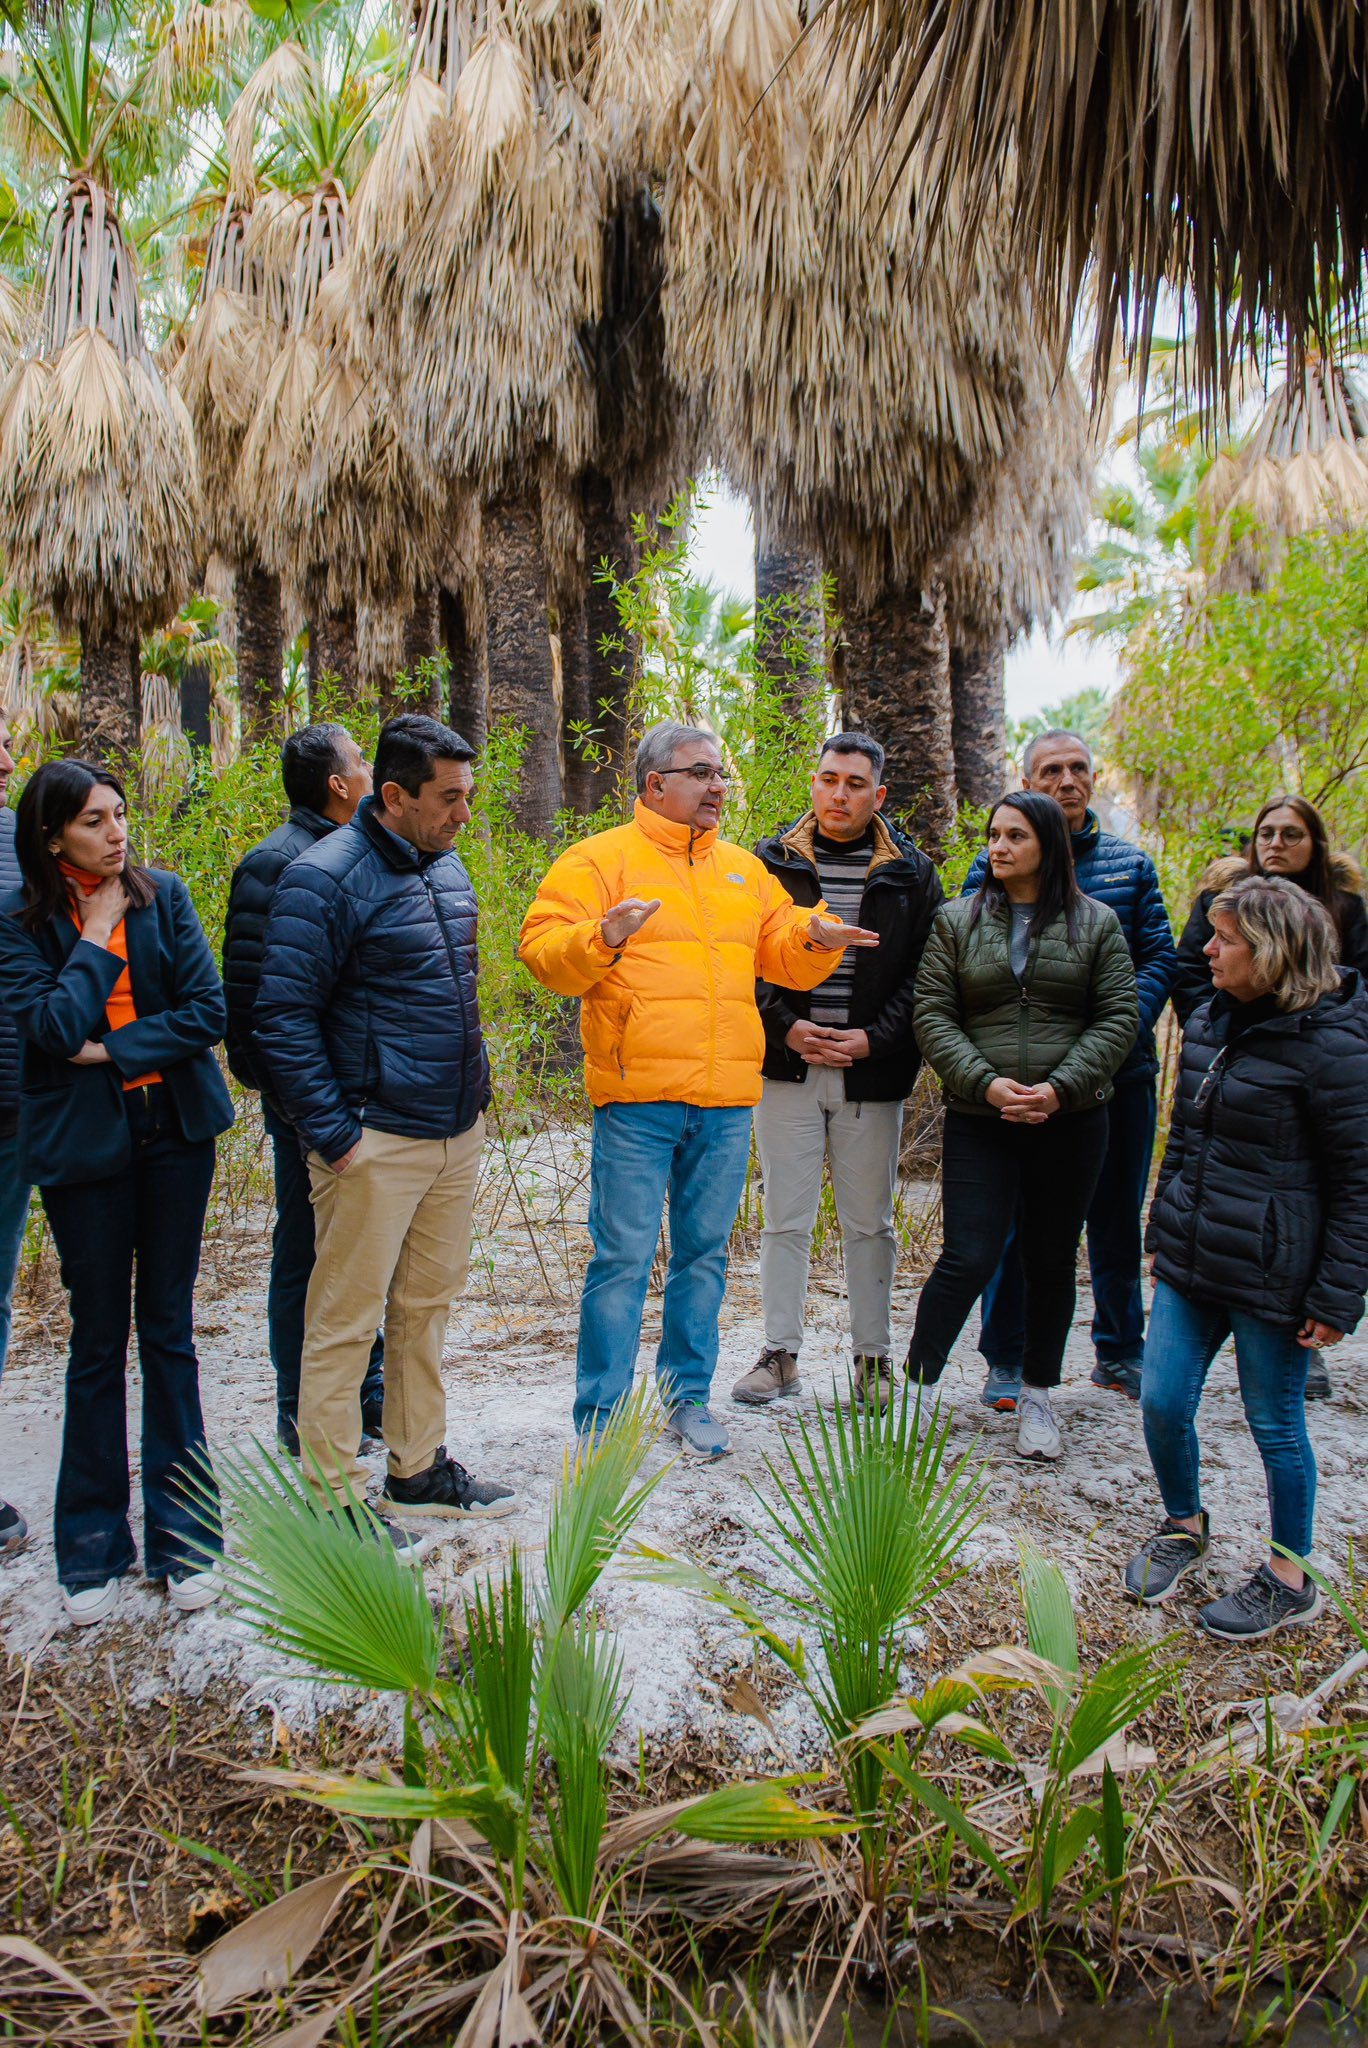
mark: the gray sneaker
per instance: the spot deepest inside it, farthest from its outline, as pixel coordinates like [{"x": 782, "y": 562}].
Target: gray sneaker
[
  {"x": 1038, "y": 1435},
  {"x": 1002, "y": 1389},
  {"x": 872, "y": 1382},
  {"x": 1318, "y": 1387},
  {"x": 1119, "y": 1377},
  {"x": 1261, "y": 1607},
  {"x": 1153, "y": 1573},
  {"x": 773, "y": 1377},
  {"x": 695, "y": 1426}
]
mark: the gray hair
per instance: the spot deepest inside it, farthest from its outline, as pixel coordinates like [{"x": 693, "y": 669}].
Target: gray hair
[
  {"x": 660, "y": 743},
  {"x": 1290, "y": 935},
  {"x": 1042, "y": 739}
]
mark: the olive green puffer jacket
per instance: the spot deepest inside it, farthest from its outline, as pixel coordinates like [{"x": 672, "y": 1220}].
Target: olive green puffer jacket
[{"x": 1070, "y": 1021}]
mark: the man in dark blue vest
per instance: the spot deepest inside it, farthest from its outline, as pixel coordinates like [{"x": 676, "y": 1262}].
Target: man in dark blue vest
[{"x": 1114, "y": 872}]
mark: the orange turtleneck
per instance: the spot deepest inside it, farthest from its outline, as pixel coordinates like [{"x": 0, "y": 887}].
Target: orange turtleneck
[{"x": 119, "y": 1005}]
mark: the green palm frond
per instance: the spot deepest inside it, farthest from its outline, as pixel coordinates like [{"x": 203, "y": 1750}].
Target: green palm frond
[
  {"x": 595, "y": 1506},
  {"x": 491, "y": 1711},
  {"x": 312, "y": 1574}
]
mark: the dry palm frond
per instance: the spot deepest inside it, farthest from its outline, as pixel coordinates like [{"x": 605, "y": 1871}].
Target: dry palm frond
[
  {"x": 274, "y": 79},
  {"x": 92, "y": 280},
  {"x": 1304, "y": 465},
  {"x": 194, "y": 44},
  {"x": 1216, "y": 146},
  {"x": 220, "y": 378}
]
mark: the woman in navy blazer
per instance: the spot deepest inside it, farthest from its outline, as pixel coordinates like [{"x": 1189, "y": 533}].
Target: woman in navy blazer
[{"x": 108, "y": 975}]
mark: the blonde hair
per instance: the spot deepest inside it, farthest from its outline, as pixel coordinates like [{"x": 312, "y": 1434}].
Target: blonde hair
[{"x": 1290, "y": 935}]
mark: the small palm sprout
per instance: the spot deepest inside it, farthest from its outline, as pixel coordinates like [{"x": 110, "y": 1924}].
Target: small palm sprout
[{"x": 505, "y": 1791}]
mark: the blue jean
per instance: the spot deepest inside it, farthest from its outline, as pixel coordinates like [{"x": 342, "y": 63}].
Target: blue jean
[
  {"x": 642, "y": 1152},
  {"x": 1184, "y": 1337},
  {"x": 292, "y": 1261},
  {"x": 1114, "y": 1244},
  {"x": 14, "y": 1204},
  {"x": 131, "y": 1243}
]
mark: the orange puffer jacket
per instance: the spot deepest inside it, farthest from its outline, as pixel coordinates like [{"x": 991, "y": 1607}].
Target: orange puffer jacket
[{"x": 671, "y": 1017}]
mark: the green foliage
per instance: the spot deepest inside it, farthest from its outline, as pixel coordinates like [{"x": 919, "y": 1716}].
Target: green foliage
[
  {"x": 1154, "y": 537},
  {"x": 1086, "y": 712},
  {"x": 1238, "y": 696}
]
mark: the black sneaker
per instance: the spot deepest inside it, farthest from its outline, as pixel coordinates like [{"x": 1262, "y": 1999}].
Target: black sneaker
[
  {"x": 13, "y": 1529},
  {"x": 1121, "y": 1376},
  {"x": 373, "y": 1527},
  {"x": 1261, "y": 1607},
  {"x": 1318, "y": 1387},
  {"x": 287, "y": 1435},
  {"x": 1153, "y": 1573},
  {"x": 446, "y": 1488}
]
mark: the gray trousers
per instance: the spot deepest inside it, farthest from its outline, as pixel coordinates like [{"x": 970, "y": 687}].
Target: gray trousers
[{"x": 798, "y": 1127}]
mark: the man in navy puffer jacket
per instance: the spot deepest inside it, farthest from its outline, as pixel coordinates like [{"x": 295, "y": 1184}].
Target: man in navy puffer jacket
[
  {"x": 14, "y": 1191},
  {"x": 368, "y": 1020},
  {"x": 1110, "y": 869}
]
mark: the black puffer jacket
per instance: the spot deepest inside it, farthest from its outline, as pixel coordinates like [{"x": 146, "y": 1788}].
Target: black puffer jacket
[
  {"x": 902, "y": 894},
  {"x": 1192, "y": 976},
  {"x": 368, "y": 1013},
  {"x": 10, "y": 879},
  {"x": 244, "y": 931},
  {"x": 1262, "y": 1199}
]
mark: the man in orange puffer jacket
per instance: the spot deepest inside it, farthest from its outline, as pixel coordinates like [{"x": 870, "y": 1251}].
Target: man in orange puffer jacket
[{"x": 662, "y": 929}]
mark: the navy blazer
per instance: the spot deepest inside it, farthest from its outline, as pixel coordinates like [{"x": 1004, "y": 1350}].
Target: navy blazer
[{"x": 72, "y": 1125}]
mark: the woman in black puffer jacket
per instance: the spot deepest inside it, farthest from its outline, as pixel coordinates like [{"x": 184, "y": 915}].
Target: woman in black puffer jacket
[{"x": 1259, "y": 1230}]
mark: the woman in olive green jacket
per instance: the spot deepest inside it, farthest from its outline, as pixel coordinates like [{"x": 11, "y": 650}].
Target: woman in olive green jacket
[{"x": 1026, "y": 1007}]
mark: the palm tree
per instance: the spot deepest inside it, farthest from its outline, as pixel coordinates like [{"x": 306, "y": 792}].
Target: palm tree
[
  {"x": 1304, "y": 464},
  {"x": 1241, "y": 125},
  {"x": 99, "y": 502}
]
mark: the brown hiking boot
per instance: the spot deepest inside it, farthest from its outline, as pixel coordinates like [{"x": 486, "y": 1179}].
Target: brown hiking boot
[
  {"x": 774, "y": 1375},
  {"x": 872, "y": 1381}
]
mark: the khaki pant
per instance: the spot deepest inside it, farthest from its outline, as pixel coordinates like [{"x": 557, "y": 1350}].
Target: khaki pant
[
  {"x": 799, "y": 1127},
  {"x": 393, "y": 1243}
]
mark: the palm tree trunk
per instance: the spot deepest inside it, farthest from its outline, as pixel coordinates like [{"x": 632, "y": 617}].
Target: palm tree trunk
[
  {"x": 196, "y": 696},
  {"x": 260, "y": 655},
  {"x": 522, "y": 682},
  {"x": 111, "y": 697},
  {"x": 582, "y": 777},
  {"x": 422, "y": 638},
  {"x": 332, "y": 652},
  {"x": 977, "y": 661},
  {"x": 607, "y": 538},
  {"x": 790, "y": 635},
  {"x": 897, "y": 686},
  {"x": 464, "y": 639}
]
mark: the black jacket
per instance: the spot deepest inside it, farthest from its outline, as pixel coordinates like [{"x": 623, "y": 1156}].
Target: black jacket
[
  {"x": 10, "y": 880},
  {"x": 368, "y": 1012},
  {"x": 901, "y": 897},
  {"x": 1262, "y": 1199},
  {"x": 72, "y": 1125},
  {"x": 244, "y": 932},
  {"x": 1192, "y": 979}
]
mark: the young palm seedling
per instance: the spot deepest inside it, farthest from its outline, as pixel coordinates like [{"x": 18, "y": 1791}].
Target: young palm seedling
[{"x": 530, "y": 1921}]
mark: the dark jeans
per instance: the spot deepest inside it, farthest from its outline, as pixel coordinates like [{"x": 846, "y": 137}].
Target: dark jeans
[
  {"x": 133, "y": 1240},
  {"x": 1184, "y": 1337},
  {"x": 292, "y": 1261},
  {"x": 1038, "y": 1176},
  {"x": 1114, "y": 1245}
]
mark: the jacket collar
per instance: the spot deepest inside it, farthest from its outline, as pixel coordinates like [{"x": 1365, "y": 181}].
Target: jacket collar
[
  {"x": 1086, "y": 840},
  {"x": 311, "y": 821},
  {"x": 400, "y": 855},
  {"x": 799, "y": 843},
  {"x": 1285, "y": 1022},
  {"x": 670, "y": 837}
]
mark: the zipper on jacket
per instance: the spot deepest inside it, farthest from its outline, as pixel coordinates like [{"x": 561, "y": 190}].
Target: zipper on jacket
[
  {"x": 708, "y": 962},
  {"x": 446, "y": 941}
]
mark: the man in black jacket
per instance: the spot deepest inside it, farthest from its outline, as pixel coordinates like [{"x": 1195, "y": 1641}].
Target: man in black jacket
[
  {"x": 368, "y": 1018},
  {"x": 838, "y": 1065},
  {"x": 325, "y": 779},
  {"x": 14, "y": 1190}
]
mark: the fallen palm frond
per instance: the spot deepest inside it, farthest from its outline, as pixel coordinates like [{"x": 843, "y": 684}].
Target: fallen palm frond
[{"x": 1213, "y": 149}]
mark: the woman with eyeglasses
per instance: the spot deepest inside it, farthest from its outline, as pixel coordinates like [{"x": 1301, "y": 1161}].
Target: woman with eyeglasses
[
  {"x": 1025, "y": 1008},
  {"x": 1259, "y": 1231},
  {"x": 112, "y": 985},
  {"x": 1290, "y": 841}
]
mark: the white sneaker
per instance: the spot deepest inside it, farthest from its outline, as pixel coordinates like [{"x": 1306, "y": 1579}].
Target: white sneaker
[
  {"x": 85, "y": 1605},
  {"x": 189, "y": 1591},
  {"x": 1037, "y": 1431}
]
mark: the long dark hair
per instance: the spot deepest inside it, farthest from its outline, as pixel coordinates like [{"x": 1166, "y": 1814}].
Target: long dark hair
[
  {"x": 56, "y": 794},
  {"x": 1057, "y": 893},
  {"x": 1317, "y": 878}
]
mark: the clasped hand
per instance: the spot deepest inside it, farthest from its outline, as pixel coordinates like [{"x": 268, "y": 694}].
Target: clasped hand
[
  {"x": 1020, "y": 1104},
  {"x": 825, "y": 1045}
]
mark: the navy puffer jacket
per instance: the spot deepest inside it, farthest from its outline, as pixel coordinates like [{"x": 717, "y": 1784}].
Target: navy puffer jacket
[
  {"x": 244, "y": 931},
  {"x": 10, "y": 879},
  {"x": 368, "y": 1012},
  {"x": 1112, "y": 871},
  {"x": 1262, "y": 1199}
]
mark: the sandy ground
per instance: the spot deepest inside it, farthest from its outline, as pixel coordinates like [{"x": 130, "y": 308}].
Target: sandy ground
[{"x": 509, "y": 1371}]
